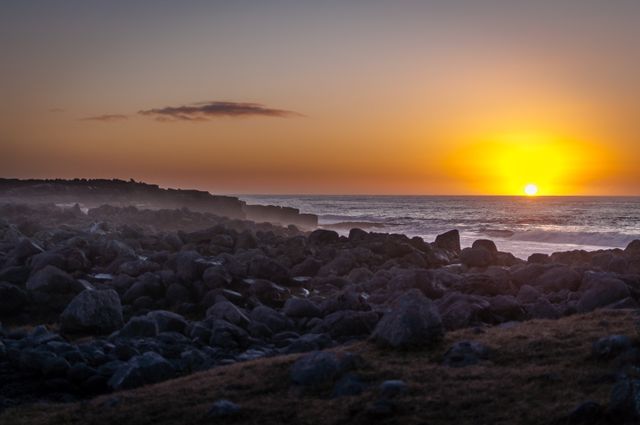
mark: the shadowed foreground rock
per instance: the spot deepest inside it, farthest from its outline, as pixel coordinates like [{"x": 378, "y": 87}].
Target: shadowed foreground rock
[{"x": 412, "y": 322}]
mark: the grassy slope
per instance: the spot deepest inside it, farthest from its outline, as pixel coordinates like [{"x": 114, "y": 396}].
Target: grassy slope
[{"x": 540, "y": 370}]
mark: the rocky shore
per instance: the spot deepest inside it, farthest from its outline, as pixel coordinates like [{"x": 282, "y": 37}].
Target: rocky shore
[{"x": 115, "y": 298}]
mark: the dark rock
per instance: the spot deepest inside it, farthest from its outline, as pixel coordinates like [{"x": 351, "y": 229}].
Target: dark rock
[
  {"x": 610, "y": 346},
  {"x": 449, "y": 240},
  {"x": 268, "y": 292},
  {"x": 177, "y": 294},
  {"x": 223, "y": 409},
  {"x": 93, "y": 311},
  {"x": 466, "y": 353},
  {"x": 587, "y": 413},
  {"x": 600, "y": 291},
  {"x": 462, "y": 310},
  {"x": 476, "y": 257},
  {"x": 315, "y": 369},
  {"x": 147, "y": 368},
  {"x": 215, "y": 277},
  {"x": 538, "y": 258},
  {"x": 349, "y": 385},
  {"x": 12, "y": 299},
  {"x": 393, "y": 388},
  {"x": 412, "y": 322},
  {"x": 528, "y": 294},
  {"x": 323, "y": 237},
  {"x": 139, "y": 327},
  {"x": 633, "y": 248},
  {"x": 80, "y": 372},
  {"x": 350, "y": 323},
  {"x": 275, "y": 321},
  {"x": 309, "y": 342},
  {"x": 225, "y": 310},
  {"x": 228, "y": 336},
  {"x": 53, "y": 280},
  {"x": 557, "y": 279},
  {"x": 189, "y": 266},
  {"x": 624, "y": 400},
  {"x": 301, "y": 307},
  {"x": 487, "y": 244},
  {"x": 168, "y": 321},
  {"x": 542, "y": 309},
  {"x": 266, "y": 268}
]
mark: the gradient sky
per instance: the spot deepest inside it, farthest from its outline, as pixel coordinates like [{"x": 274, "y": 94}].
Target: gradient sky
[{"x": 395, "y": 97}]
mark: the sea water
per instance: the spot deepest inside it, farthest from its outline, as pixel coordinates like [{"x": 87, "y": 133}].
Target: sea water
[{"x": 520, "y": 225}]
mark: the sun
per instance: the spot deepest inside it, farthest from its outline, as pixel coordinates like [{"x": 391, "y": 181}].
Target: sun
[{"x": 531, "y": 189}]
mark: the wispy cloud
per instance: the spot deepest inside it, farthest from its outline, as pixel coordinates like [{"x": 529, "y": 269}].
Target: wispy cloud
[
  {"x": 106, "y": 118},
  {"x": 208, "y": 110},
  {"x": 54, "y": 110}
]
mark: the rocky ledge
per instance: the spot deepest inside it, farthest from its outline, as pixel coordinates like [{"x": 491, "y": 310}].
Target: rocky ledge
[{"x": 120, "y": 297}]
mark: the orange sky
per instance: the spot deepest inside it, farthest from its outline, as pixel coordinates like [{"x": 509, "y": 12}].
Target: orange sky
[{"x": 456, "y": 97}]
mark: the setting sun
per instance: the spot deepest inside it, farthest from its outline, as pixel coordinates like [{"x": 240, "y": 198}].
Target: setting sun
[{"x": 531, "y": 189}]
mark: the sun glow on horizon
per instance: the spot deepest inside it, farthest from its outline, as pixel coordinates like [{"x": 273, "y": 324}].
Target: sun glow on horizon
[
  {"x": 531, "y": 189},
  {"x": 523, "y": 163}
]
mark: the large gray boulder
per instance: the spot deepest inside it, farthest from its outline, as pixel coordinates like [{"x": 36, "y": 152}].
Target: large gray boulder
[
  {"x": 600, "y": 290},
  {"x": 412, "y": 322},
  {"x": 52, "y": 289},
  {"x": 226, "y": 310},
  {"x": 320, "y": 368},
  {"x": 145, "y": 369},
  {"x": 93, "y": 311},
  {"x": 51, "y": 279}
]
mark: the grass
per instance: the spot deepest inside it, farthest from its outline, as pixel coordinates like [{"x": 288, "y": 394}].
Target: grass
[{"x": 540, "y": 370}]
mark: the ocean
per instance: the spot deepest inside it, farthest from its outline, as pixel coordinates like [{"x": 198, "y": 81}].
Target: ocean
[{"x": 520, "y": 225}]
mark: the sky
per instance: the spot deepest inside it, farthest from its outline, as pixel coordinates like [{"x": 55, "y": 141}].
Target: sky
[{"x": 476, "y": 97}]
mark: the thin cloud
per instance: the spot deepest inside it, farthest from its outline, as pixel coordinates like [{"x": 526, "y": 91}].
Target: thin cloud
[
  {"x": 54, "y": 110},
  {"x": 205, "y": 111},
  {"x": 106, "y": 118}
]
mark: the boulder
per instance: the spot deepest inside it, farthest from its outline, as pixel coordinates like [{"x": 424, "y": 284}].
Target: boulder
[
  {"x": 300, "y": 307},
  {"x": 93, "y": 311},
  {"x": 476, "y": 257},
  {"x": 350, "y": 323},
  {"x": 228, "y": 336},
  {"x": 168, "y": 321},
  {"x": 51, "y": 279},
  {"x": 189, "y": 266},
  {"x": 462, "y": 310},
  {"x": 145, "y": 369},
  {"x": 633, "y": 248},
  {"x": 315, "y": 369},
  {"x": 556, "y": 279},
  {"x": 600, "y": 290},
  {"x": 275, "y": 321},
  {"x": 611, "y": 346},
  {"x": 487, "y": 244},
  {"x": 12, "y": 299},
  {"x": 624, "y": 401},
  {"x": 449, "y": 240},
  {"x": 264, "y": 267},
  {"x": 223, "y": 409},
  {"x": 139, "y": 327},
  {"x": 225, "y": 310},
  {"x": 393, "y": 388},
  {"x": 323, "y": 237},
  {"x": 466, "y": 353},
  {"x": 412, "y": 322}
]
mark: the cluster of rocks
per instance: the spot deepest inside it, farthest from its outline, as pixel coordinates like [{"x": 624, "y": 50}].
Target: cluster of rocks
[{"x": 131, "y": 297}]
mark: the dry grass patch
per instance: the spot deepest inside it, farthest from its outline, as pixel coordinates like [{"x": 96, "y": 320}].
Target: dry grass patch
[{"x": 539, "y": 371}]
